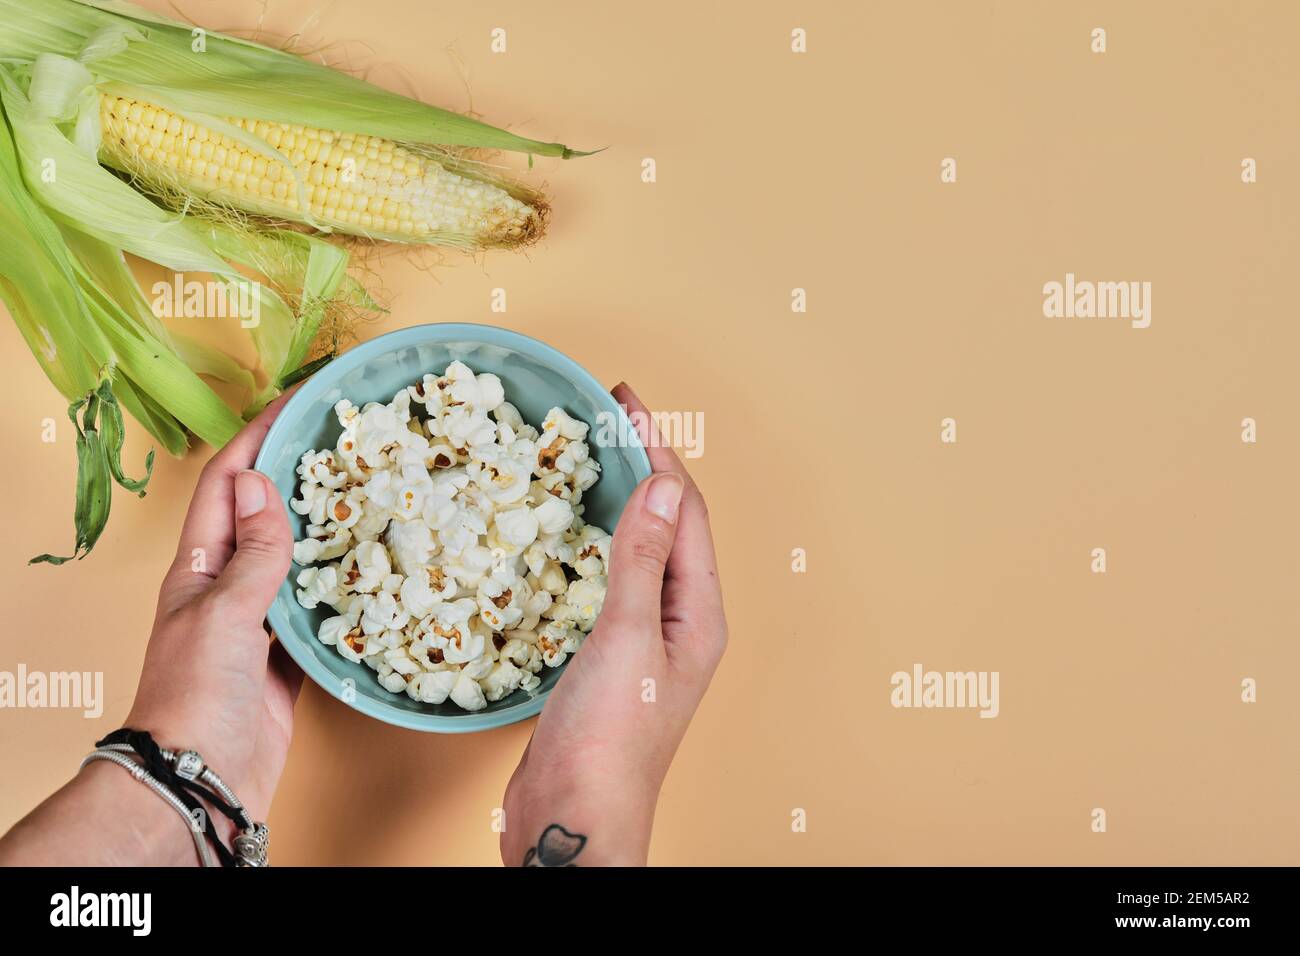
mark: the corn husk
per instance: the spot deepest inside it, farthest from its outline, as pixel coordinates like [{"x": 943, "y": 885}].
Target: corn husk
[{"x": 68, "y": 221}]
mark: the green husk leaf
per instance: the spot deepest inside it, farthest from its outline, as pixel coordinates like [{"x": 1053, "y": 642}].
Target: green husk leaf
[
  {"x": 38, "y": 284},
  {"x": 173, "y": 384},
  {"x": 307, "y": 371},
  {"x": 357, "y": 295},
  {"x": 90, "y": 199},
  {"x": 206, "y": 360},
  {"x": 106, "y": 278},
  {"x": 157, "y": 421},
  {"x": 298, "y": 265},
  {"x": 236, "y": 77},
  {"x": 94, "y": 485},
  {"x": 108, "y": 269},
  {"x": 326, "y": 269},
  {"x": 109, "y": 40},
  {"x": 110, "y": 426}
]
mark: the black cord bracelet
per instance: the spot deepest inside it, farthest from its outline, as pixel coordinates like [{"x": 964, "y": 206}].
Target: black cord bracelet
[{"x": 187, "y": 788}]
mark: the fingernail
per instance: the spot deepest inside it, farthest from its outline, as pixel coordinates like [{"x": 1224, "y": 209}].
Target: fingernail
[
  {"x": 250, "y": 493},
  {"x": 664, "y": 495}
]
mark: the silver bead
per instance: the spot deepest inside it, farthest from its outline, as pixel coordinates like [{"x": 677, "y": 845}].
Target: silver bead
[
  {"x": 189, "y": 765},
  {"x": 252, "y": 845}
]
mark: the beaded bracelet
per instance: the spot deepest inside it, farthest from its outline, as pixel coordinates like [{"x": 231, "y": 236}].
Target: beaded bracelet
[
  {"x": 180, "y": 777},
  {"x": 144, "y": 776}
]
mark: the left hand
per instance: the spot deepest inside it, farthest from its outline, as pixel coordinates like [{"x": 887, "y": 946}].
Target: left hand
[{"x": 212, "y": 680}]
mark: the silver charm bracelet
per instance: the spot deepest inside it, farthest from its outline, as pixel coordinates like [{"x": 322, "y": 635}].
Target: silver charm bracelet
[{"x": 250, "y": 847}]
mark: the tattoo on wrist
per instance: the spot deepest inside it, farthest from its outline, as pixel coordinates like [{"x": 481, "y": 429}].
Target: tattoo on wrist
[{"x": 557, "y": 847}]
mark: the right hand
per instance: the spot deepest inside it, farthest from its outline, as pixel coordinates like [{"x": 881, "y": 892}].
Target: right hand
[{"x": 614, "y": 720}]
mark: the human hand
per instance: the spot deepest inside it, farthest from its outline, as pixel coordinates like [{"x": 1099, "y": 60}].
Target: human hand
[
  {"x": 614, "y": 720},
  {"x": 212, "y": 681}
]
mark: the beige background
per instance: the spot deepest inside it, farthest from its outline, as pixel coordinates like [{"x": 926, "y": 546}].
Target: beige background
[{"x": 820, "y": 171}]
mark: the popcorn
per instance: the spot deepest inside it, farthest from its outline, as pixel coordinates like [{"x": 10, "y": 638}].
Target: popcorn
[
  {"x": 593, "y": 556},
  {"x": 503, "y": 679},
  {"x": 498, "y": 603},
  {"x": 320, "y": 468},
  {"x": 336, "y": 544},
  {"x": 408, "y": 497},
  {"x": 312, "y": 502},
  {"x": 556, "y": 642},
  {"x": 344, "y": 634},
  {"x": 347, "y": 415},
  {"x": 372, "y": 565},
  {"x": 464, "y": 427},
  {"x": 454, "y": 636},
  {"x": 432, "y": 688},
  {"x": 378, "y": 429},
  {"x": 586, "y": 596},
  {"x": 381, "y": 612},
  {"x": 411, "y": 545},
  {"x": 517, "y": 527},
  {"x": 509, "y": 416},
  {"x": 553, "y": 515},
  {"x": 333, "y": 630},
  {"x": 552, "y": 579},
  {"x": 514, "y": 650},
  {"x": 418, "y": 597},
  {"x": 401, "y": 662},
  {"x": 446, "y": 534},
  {"x": 307, "y": 551},
  {"x": 585, "y": 475},
  {"x": 571, "y": 455},
  {"x": 467, "y": 694},
  {"x": 371, "y": 526},
  {"x": 479, "y": 667},
  {"x": 558, "y": 422},
  {"x": 317, "y": 585},
  {"x": 505, "y": 481},
  {"x": 481, "y": 392}
]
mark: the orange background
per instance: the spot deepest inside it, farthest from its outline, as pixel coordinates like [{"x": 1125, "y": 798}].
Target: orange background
[{"x": 821, "y": 171}]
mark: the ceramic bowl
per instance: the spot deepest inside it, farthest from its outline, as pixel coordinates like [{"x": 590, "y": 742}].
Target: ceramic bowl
[{"x": 536, "y": 378}]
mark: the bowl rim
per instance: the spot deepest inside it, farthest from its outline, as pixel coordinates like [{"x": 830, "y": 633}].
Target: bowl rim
[{"x": 312, "y": 389}]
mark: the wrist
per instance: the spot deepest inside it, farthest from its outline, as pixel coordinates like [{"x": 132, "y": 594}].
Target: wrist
[
  {"x": 609, "y": 814},
  {"x": 102, "y": 817},
  {"x": 149, "y": 831},
  {"x": 178, "y": 733}
]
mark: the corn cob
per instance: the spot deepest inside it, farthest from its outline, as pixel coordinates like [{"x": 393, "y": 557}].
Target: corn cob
[{"x": 354, "y": 184}]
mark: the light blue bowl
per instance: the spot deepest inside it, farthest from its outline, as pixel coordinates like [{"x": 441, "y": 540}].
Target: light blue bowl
[{"x": 536, "y": 378}]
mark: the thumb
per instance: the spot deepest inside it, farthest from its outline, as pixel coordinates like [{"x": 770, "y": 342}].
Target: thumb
[
  {"x": 263, "y": 548},
  {"x": 642, "y": 542}
]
